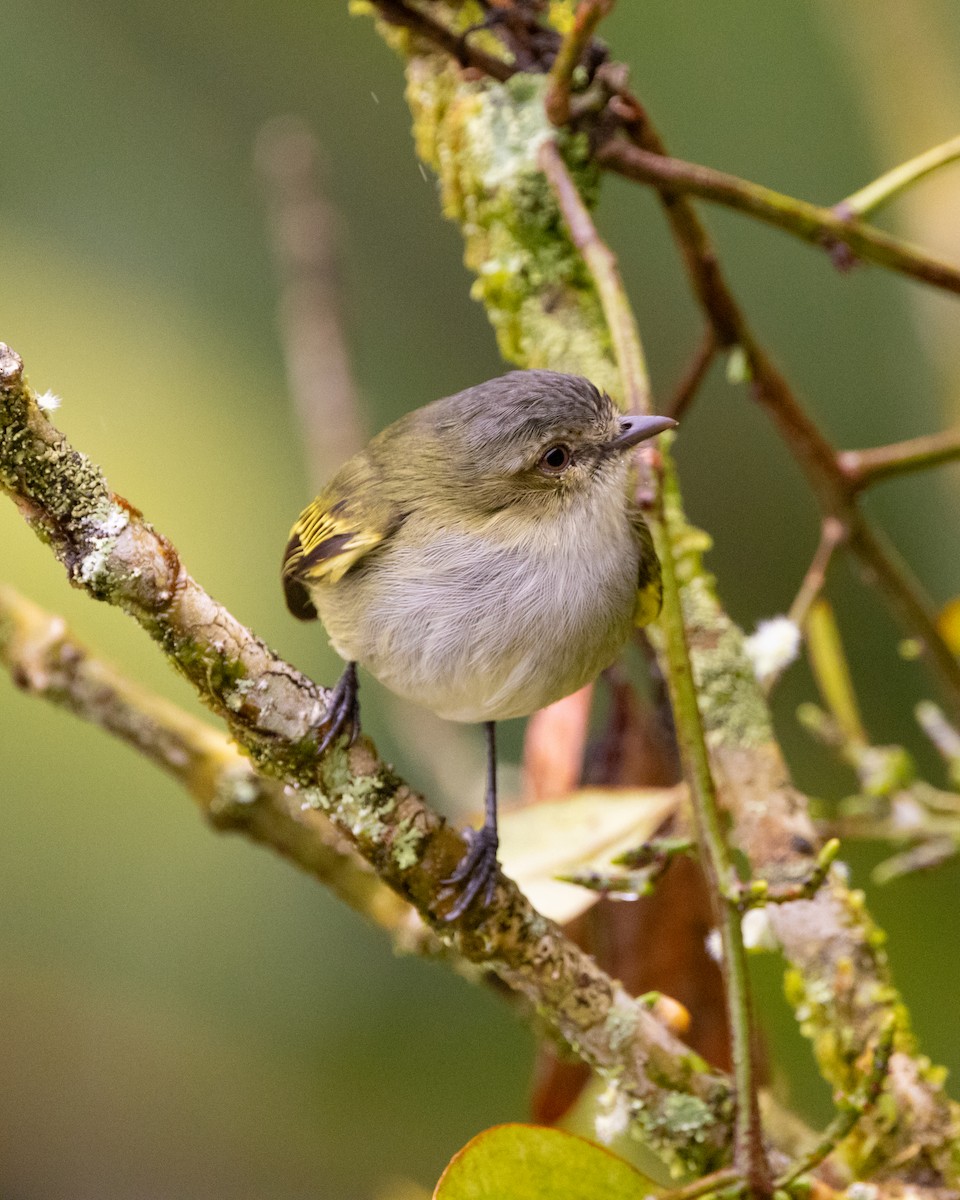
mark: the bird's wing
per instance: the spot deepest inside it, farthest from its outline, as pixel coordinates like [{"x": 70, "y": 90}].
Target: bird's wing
[
  {"x": 346, "y": 521},
  {"x": 649, "y": 588}
]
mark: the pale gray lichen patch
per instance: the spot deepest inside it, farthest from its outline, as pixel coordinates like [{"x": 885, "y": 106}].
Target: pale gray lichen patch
[
  {"x": 405, "y": 844},
  {"x": 621, "y": 1025},
  {"x": 100, "y": 532}
]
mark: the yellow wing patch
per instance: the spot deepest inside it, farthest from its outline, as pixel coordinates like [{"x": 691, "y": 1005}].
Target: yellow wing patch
[
  {"x": 328, "y": 543},
  {"x": 649, "y": 602},
  {"x": 330, "y": 536},
  {"x": 649, "y": 587}
]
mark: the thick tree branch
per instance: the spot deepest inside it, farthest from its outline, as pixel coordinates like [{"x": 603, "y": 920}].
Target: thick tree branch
[{"x": 276, "y": 715}]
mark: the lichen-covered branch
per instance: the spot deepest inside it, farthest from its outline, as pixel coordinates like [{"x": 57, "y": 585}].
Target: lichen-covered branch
[{"x": 276, "y": 715}]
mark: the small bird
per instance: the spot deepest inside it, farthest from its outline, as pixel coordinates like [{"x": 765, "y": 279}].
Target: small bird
[{"x": 481, "y": 557}]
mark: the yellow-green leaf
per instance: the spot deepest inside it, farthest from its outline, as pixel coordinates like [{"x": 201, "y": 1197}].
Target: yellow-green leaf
[{"x": 531, "y": 1162}]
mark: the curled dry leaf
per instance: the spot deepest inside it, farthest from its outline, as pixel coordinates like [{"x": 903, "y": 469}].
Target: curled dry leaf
[{"x": 583, "y": 831}]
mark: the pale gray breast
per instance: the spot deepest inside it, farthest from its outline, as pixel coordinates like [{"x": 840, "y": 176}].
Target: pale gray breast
[{"x": 494, "y": 626}]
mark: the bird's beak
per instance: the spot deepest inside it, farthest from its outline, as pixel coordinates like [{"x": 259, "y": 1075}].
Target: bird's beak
[{"x": 638, "y": 429}]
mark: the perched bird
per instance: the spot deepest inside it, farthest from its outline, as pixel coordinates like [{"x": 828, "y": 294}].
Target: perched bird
[{"x": 482, "y": 557}]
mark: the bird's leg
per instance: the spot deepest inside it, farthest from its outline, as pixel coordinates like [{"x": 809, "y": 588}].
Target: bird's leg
[
  {"x": 477, "y": 870},
  {"x": 343, "y": 711}
]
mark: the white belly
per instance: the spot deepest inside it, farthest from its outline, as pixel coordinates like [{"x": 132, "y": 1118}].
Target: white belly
[{"x": 490, "y": 630}]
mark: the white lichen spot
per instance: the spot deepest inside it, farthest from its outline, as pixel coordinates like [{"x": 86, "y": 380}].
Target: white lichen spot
[
  {"x": 613, "y": 1114},
  {"x": 714, "y": 945},
  {"x": 863, "y": 1191},
  {"x": 757, "y": 930},
  {"x": 772, "y": 647},
  {"x": 104, "y": 532},
  {"x": 48, "y": 401}
]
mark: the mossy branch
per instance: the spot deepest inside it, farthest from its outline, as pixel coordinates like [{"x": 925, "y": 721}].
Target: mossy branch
[{"x": 276, "y": 715}]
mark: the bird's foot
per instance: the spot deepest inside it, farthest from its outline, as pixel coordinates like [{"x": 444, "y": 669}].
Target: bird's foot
[
  {"x": 476, "y": 872},
  {"x": 343, "y": 711}
]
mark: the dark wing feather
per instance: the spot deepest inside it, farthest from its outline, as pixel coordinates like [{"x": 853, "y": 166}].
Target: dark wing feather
[{"x": 346, "y": 521}]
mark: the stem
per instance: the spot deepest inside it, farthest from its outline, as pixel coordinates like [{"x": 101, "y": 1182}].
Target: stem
[
  {"x": 832, "y": 534},
  {"x": 602, "y": 264},
  {"x": 395, "y": 12},
  {"x": 866, "y": 467},
  {"x": 588, "y": 16},
  {"x": 832, "y": 674},
  {"x": 892, "y": 182},
  {"x": 724, "y": 1178},
  {"x": 694, "y": 375},
  {"x": 810, "y": 222},
  {"x": 749, "y": 1155}
]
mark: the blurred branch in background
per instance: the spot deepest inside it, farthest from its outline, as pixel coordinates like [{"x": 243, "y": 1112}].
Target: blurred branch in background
[{"x": 303, "y": 228}]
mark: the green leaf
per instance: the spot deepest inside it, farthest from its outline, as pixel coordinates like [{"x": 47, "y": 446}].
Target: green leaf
[{"x": 531, "y": 1162}]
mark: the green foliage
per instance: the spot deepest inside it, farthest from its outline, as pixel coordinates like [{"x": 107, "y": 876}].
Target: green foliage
[{"x": 529, "y": 1162}]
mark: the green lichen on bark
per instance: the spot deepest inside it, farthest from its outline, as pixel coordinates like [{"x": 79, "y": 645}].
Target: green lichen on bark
[
  {"x": 731, "y": 703},
  {"x": 481, "y": 138}
]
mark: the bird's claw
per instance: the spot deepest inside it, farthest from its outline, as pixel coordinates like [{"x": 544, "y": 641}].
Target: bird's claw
[
  {"x": 476, "y": 871},
  {"x": 343, "y": 711}
]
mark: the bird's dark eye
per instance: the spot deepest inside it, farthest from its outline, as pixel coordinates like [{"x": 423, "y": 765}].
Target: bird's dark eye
[{"x": 555, "y": 460}]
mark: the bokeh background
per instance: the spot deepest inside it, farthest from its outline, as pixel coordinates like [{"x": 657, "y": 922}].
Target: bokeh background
[{"x": 184, "y": 1015}]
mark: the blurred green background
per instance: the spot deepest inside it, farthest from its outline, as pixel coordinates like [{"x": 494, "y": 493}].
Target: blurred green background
[{"x": 183, "y": 1015}]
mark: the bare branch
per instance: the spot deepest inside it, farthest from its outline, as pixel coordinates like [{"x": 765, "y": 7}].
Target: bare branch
[
  {"x": 825, "y": 227},
  {"x": 880, "y": 191},
  {"x": 863, "y": 468}
]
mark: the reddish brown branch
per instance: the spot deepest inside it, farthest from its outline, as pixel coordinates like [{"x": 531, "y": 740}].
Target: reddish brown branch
[{"x": 863, "y": 468}]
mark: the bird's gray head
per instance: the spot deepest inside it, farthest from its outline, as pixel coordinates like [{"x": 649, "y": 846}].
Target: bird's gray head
[{"x": 535, "y": 434}]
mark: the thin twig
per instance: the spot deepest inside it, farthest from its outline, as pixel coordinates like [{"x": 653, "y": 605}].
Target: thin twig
[
  {"x": 588, "y": 16},
  {"x": 863, "y": 468},
  {"x": 749, "y": 1156},
  {"x": 602, "y": 264},
  {"x": 715, "y": 1182},
  {"x": 693, "y": 376},
  {"x": 896, "y": 180},
  {"x": 810, "y": 222},
  {"x": 832, "y": 534},
  {"x": 463, "y": 49},
  {"x": 881, "y": 562}
]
